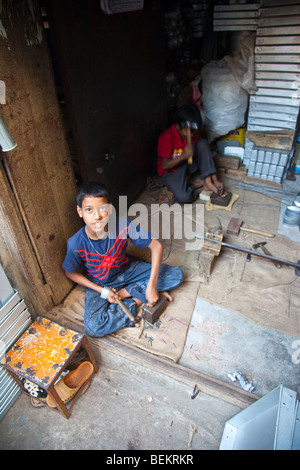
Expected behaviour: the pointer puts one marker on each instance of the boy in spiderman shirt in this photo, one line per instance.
(173, 154)
(100, 246)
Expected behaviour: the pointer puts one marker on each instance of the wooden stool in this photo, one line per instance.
(41, 354)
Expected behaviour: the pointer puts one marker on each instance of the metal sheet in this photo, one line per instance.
(272, 3)
(247, 27)
(252, 127)
(269, 115)
(269, 40)
(290, 30)
(9, 319)
(279, 21)
(6, 290)
(279, 124)
(237, 7)
(296, 436)
(5, 386)
(9, 400)
(285, 419)
(280, 11)
(289, 49)
(235, 14)
(281, 67)
(277, 76)
(254, 426)
(281, 84)
(278, 92)
(294, 59)
(264, 425)
(275, 100)
(244, 21)
(16, 329)
(10, 304)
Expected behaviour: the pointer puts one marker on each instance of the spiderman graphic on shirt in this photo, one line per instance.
(106, 258)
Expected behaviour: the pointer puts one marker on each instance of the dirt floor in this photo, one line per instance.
(125, 408)
(245, 317)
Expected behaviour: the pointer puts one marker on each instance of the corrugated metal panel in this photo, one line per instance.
(277, 40)
(14, 319)
(275, 104)
(277, 68)
(237, 17)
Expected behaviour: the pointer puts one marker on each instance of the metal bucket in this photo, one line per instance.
(292, 216)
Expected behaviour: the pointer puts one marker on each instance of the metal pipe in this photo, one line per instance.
(251, 252)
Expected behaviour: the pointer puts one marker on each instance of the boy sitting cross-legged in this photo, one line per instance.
(111, 274)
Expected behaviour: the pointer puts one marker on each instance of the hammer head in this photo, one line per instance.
(234, 226)
(189, 125)
(257, 245)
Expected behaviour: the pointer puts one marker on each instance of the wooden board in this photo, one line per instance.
(227, 161)
(277, 139)
(39, 168)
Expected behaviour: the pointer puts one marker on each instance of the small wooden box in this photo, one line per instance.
(151, 314)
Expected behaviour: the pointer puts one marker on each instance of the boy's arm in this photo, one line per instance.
(79, 278)
(170, 163)
(152, 295)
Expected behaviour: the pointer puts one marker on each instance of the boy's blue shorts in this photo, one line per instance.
(101, 317)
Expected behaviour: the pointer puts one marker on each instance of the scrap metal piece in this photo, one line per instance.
(196, 390)
(243, 381)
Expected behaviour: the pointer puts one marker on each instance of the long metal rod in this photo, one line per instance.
(251, 252)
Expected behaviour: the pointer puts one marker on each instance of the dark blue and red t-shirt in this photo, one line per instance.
(104, 259)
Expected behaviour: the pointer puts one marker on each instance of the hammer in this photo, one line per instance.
(188, 126)
(133, 319)
(264, 249)
(234, 227)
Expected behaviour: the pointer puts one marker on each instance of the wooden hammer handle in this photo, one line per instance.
(266, 251)
(126, 310)
(264, 234)
(189, 142)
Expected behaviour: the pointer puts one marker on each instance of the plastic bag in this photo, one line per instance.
(225, 87)
(241, 63)
(225, 102)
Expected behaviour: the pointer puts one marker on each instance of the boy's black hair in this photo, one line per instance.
(189, 113)
(91, 189)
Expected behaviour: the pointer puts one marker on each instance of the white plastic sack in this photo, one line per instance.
(241, 62)
(225, 102)
(225, 87)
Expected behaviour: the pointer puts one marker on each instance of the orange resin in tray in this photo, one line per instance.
(42, 351)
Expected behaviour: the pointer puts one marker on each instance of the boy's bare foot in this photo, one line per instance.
(215, 180)
(209, 185)
(218, 184)
(166, 294)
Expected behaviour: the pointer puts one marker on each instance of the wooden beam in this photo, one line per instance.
(16, 254)
(39, 169)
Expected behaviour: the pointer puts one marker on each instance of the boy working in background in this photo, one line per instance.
(173, 154)
(111, 274)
